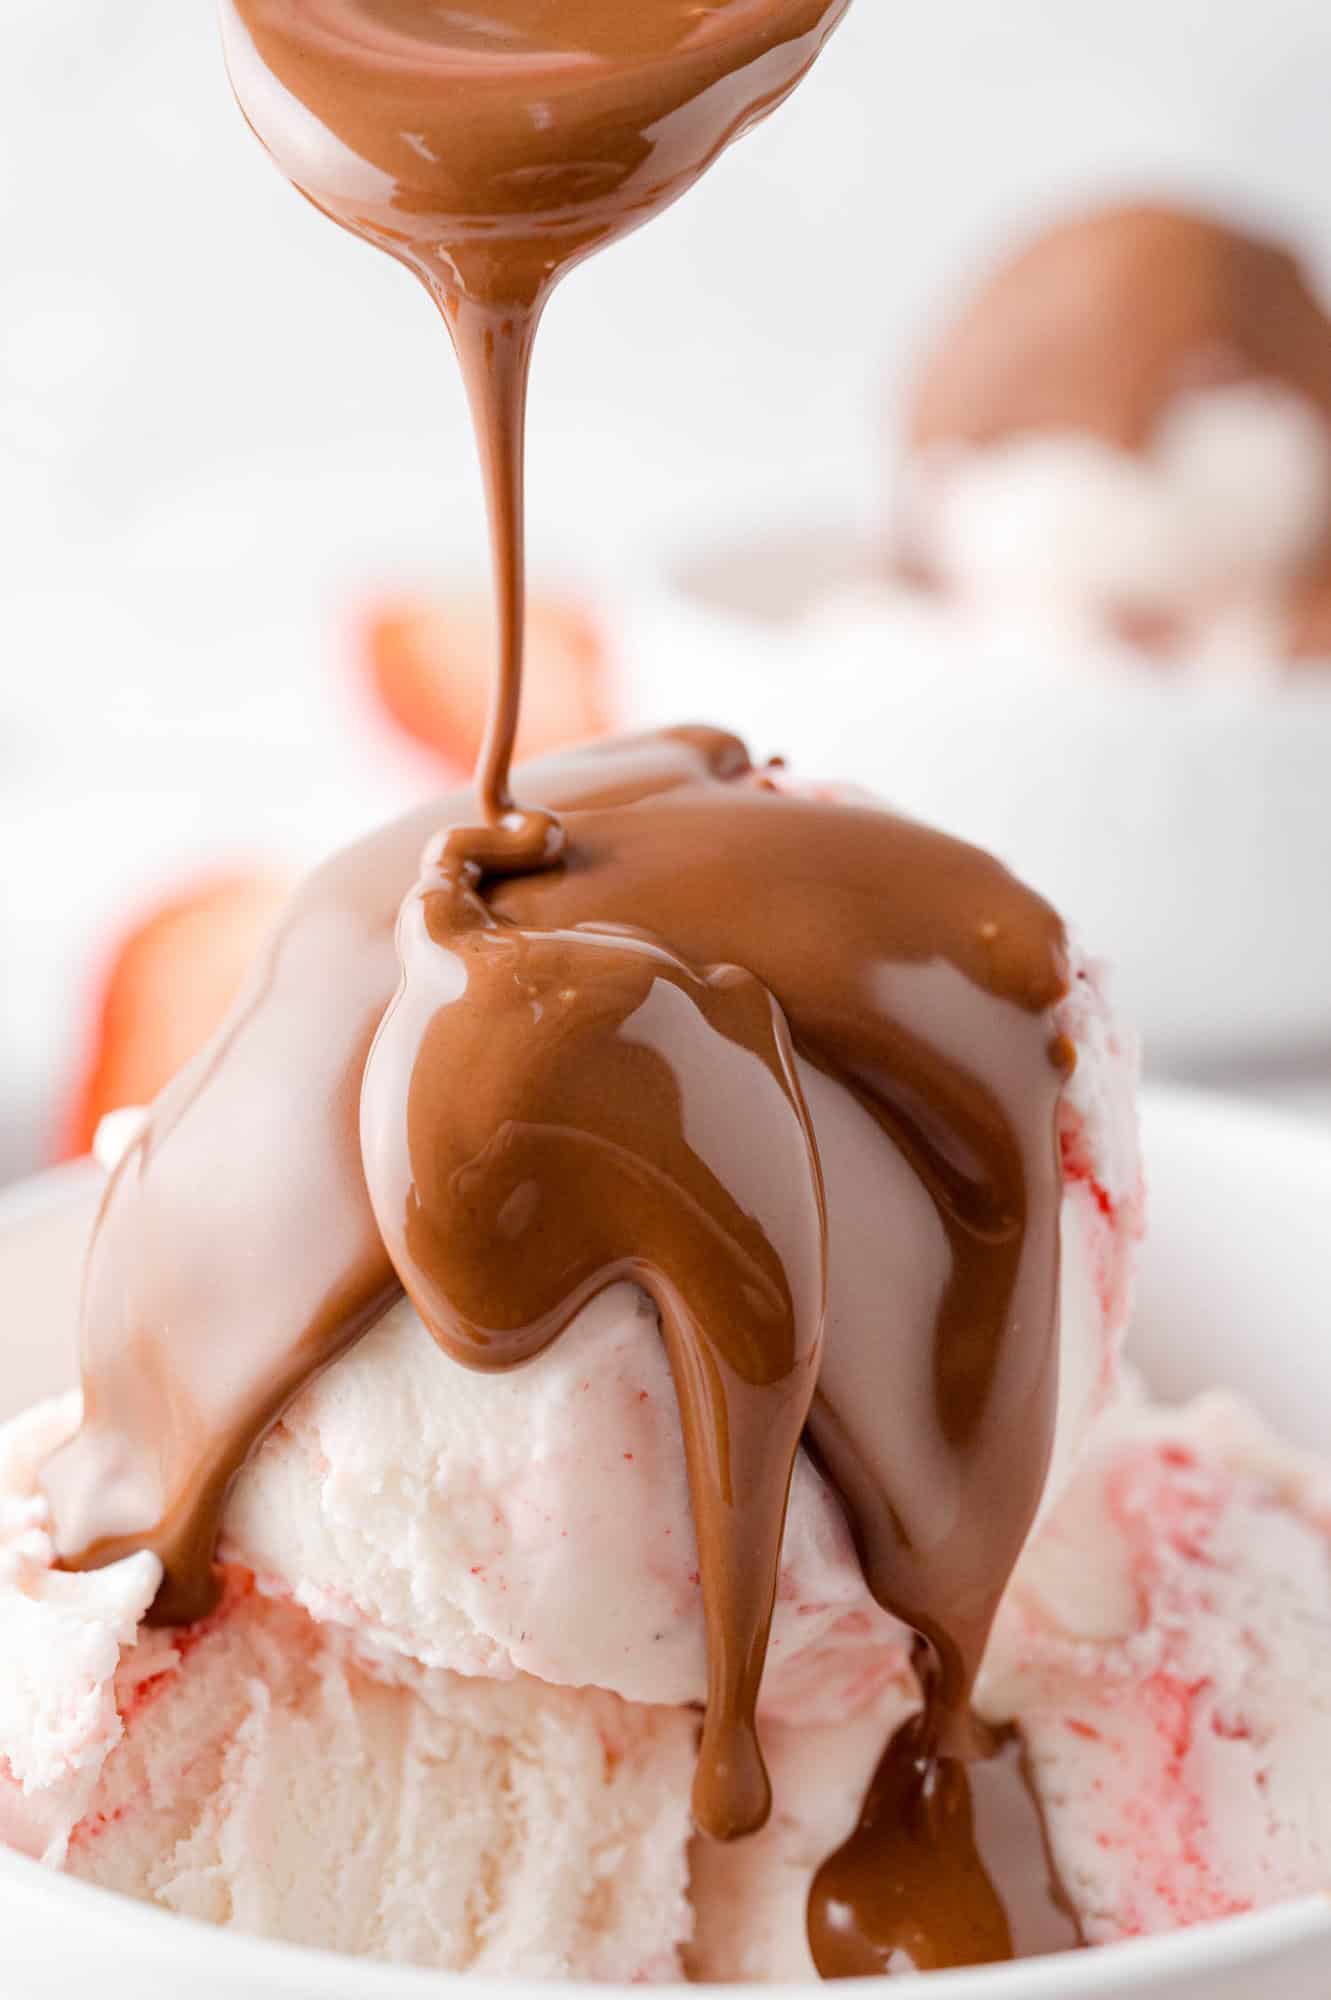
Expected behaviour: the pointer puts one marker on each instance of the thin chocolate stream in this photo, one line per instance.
(490, 149)
(619, 1038)
(494, 352)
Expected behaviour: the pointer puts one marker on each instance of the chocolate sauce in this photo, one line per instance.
(949, 1865)
(614, 1109)
(597, 1040)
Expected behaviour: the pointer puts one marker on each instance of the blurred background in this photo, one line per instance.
(243, 549)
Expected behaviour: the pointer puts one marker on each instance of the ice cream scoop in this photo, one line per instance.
(566, 1093)
(1131, 418)
(439, 1579)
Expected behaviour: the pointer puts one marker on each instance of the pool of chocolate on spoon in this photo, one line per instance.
(585, 1045)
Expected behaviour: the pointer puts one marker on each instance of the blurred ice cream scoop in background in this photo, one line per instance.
(1130, 422)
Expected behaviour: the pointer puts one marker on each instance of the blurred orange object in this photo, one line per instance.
(431, 663)
(167, 987)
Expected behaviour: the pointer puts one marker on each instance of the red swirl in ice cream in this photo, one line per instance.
(590, 1070)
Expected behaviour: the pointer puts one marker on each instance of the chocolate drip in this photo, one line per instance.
(617, 1033)
(494, 352)
(583, 1107)
(949, 1865)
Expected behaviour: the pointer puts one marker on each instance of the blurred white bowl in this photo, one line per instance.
(1183, 824)
(1234, 1290)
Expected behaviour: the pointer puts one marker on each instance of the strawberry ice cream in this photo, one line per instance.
(463, 1606)
(1165, 1645)
(252, 1771)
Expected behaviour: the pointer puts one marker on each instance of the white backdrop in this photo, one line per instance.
(219, 418)
(192, 365)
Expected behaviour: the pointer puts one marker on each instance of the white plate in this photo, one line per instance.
(1234, 1290)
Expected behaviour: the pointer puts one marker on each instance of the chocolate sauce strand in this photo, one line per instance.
(494, 350)
(582, 1107)
(950, 1865)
